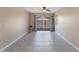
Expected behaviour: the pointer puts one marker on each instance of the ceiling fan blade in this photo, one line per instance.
(48, 10)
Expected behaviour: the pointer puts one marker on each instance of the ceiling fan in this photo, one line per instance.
(46, 9)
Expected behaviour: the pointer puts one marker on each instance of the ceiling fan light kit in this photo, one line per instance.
(45, 9)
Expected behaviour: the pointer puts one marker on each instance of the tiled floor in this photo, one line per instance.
(41, 41)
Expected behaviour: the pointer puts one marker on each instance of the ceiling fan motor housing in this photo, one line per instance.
(44, 8)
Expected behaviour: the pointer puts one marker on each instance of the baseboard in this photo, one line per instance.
(74, 46)
(11, 43)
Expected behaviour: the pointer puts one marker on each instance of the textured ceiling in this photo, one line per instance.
(39, 9)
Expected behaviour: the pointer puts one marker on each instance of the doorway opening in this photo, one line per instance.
(44, 24)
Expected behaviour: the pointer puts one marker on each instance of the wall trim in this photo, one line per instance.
(11, 43)
(74, 46)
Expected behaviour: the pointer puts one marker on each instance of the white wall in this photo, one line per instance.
(67, 24)
(31, 22)
(13, 24)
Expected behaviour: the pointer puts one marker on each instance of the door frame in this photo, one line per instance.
(53, 25)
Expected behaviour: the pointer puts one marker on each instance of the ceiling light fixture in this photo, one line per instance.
(44, 9)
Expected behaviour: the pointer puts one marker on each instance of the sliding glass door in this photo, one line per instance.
(44, 24)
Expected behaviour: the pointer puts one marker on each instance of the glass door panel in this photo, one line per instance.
(44, 24)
